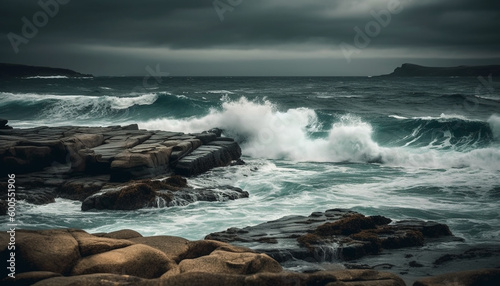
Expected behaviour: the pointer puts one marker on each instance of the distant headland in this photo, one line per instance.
(15, 70)
(411, 70)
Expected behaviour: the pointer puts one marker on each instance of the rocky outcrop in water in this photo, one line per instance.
(124, 153)
(334, 235)
(91, 164)
(412, 70)
(15, 70)
(156, 194)
(3, 124)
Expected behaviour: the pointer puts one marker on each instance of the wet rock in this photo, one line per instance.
(472, 253)
(330, 236)
(124, 153)
(186, 196)
(154, 193)
(206, 157)
(132, 197)
(146, 161)
(36, 196)
(79, 189)
(483, 277)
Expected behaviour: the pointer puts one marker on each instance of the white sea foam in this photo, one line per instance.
(45, 77)
(265, 132)
(444, 117)
(494, 122)
(79, 102)
(398, 117)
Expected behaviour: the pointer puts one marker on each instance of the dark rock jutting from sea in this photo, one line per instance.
(23, 71)
(113, 167)
(412, 70)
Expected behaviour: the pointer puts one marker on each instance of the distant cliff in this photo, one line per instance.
(14, 70)
(409, 70)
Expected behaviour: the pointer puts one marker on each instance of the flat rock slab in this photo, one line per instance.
(124, 152)
(334, 235)
(76, 162)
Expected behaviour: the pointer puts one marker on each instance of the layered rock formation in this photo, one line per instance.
(100, 166)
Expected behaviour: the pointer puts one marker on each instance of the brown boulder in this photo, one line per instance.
(92, 280)
(90, 244)
(231, 263)
(137, 260)
(46, 250)
(205, 247)
(173, 247)
(120, 234)
(481, 277)
(29, 278)
(199, 278)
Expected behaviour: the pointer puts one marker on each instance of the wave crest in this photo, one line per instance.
(263, 131)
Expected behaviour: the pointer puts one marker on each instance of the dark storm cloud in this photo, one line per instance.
(86, 29)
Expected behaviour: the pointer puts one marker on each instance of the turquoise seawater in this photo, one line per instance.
(426, 148)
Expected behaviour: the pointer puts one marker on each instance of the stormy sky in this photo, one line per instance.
(249, 37)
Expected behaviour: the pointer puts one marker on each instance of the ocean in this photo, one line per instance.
(425, 148)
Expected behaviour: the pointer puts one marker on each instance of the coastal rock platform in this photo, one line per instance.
(108, 167)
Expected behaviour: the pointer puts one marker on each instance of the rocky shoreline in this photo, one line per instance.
(124, 168)
(101, 166)
(75, 257)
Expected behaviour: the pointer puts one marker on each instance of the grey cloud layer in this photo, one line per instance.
(458, 25)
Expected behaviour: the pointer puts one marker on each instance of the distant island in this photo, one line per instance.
(15, 70)
(410, 70)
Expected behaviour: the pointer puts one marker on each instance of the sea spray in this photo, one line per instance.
(494, 122)
(265, 132)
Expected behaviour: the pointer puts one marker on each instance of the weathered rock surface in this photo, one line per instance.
(136, 260)
(148, 193)
(74, 257)
(482, 277)
(86, 163)
(335, 235)
(124, 153)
